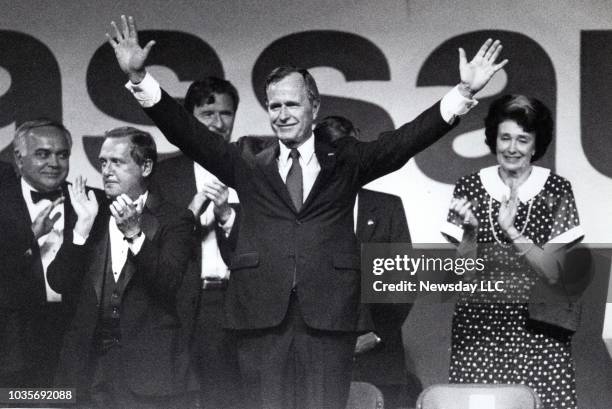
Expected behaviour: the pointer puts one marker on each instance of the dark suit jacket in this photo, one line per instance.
(7, 173)
(317, 244)
(22, 282)
(155, 361)
(381, 219)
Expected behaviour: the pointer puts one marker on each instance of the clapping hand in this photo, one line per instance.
(127, 215)
(130, 56)
(478, 72)
(85, 206)
(198, 204)
(463, 208)
(43, 224)
(219, 194)
(507, 210)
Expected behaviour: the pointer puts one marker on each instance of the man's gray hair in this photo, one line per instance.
(23, 130)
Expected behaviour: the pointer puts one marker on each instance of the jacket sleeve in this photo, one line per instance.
(393, 149)
(163, 259)
(194, 139)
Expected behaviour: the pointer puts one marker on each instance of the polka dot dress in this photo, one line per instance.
(490, 341)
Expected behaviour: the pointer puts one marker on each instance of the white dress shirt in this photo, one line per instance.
(607, 327)
(51, 242)
(308, 162)
(213, 266)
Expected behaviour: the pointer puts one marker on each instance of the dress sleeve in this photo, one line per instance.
(566, 227)
(452, 228)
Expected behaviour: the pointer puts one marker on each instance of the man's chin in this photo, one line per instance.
(111, 193)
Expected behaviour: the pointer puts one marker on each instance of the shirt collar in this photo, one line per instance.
(306, 151)
(26, 188)
(495, 186)
(143, 198)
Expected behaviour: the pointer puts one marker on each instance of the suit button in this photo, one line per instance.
(115, 310)
(115, 294)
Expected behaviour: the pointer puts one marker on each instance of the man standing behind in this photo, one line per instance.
(294, 288)
(184, 183)
(126, 262)
(35, 218)
(379, 355)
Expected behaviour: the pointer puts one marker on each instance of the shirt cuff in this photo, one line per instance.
(77, 239)
(136, 244)
(453, 104)
(229, 223)
(607, 328)
(147, 92)
(452, 232)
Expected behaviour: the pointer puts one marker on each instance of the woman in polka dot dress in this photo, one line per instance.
(521, 211)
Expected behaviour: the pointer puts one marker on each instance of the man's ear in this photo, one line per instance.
(18, 159)
(315, 109)
(147, 168)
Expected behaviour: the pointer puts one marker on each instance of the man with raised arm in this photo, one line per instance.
(293, 293)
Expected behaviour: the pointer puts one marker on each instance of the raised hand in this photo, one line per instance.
(507, 212)
(85, 206)
(477, 73)
(463, 208)
(130, 56)
(128, 215)
(43, 224)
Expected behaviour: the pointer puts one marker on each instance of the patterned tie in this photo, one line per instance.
(294, 180)
(38, 196)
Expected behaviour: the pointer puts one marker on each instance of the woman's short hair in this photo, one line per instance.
(530, 113)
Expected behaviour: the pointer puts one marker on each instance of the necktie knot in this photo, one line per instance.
(294, 154)
(38, 196)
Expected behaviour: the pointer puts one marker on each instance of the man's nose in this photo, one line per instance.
(283, 115)
(216, 121)
(106, 169)
(53, 161)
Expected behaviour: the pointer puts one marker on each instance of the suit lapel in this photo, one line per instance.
(150, 226)
(102, 259)
(18, 212)
(366, 218)
(326, 156)
(70, 216)
(266, 161)
(186, 179)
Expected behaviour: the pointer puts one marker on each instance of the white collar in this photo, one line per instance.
(306, 150)
(26, 190)
(495, 186)
(25, 186)
(143, 198)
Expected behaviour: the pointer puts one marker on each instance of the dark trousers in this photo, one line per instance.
(31, 343)
(293, 366)
(215, 356)
(110, 388)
